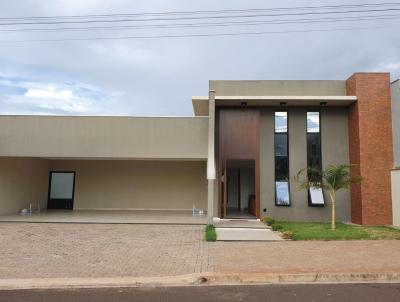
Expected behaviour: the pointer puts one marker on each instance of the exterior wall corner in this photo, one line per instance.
(371, 147)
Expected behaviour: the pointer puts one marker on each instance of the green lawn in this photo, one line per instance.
(322, 231)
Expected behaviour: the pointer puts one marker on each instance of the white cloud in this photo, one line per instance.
(49, 93)
(36, 97)
(50, 105)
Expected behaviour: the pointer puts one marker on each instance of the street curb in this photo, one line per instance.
(288, 278)
(200, 279)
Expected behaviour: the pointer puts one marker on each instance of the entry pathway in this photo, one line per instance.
(47, 250)
(246, 234)
(239, 223)
(244, 230)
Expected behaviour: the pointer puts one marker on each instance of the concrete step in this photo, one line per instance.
(246, 234)
(240, 223)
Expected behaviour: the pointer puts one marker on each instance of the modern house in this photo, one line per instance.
(236, 158)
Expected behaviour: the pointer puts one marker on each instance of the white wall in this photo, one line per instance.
(396, 196)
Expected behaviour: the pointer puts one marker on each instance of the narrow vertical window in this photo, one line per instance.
(314, 161)
(282, 197)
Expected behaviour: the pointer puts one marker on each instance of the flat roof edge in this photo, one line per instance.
(281, 80)
(199, 98)
(96, 116)
(285, 97)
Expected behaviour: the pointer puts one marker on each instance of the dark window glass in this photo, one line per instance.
(315, 196)
(281, 144)
(314, 150)
(282, 197)
(281, 168)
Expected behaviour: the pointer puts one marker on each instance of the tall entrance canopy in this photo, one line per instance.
(238, 163)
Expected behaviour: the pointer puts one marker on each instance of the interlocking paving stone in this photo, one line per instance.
(89, 250)
(50, 250)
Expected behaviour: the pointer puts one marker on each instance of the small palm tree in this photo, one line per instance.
(332, 179)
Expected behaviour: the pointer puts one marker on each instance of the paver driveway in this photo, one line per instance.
(40, 250)
(32, 250)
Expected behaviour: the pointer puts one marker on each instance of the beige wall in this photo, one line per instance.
(396, 196)
(104, 137)
(395, 174)
(22, 181)
(334, 135)
(395, 92)
(121, 184)
(273, 88)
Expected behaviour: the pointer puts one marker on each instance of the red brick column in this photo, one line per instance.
(371, 147)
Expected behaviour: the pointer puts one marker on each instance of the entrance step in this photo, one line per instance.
(246, 234)
(240, 223)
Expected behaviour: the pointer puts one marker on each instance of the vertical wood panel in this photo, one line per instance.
(238, 131)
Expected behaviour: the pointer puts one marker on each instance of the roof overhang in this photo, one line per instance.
(289, 100)
(200, 104)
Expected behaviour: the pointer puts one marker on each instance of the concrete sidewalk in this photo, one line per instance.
(244, 230)
(90, 251)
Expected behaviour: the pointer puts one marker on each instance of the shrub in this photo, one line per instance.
(287, 235)
(211, 235)
(268, 220)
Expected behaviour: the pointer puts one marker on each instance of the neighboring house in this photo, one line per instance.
(236, 158)
(395, 90)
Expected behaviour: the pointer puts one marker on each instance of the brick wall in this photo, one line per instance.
(371, 147)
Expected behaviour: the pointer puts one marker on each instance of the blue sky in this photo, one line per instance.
(159, 76)
(26, 95)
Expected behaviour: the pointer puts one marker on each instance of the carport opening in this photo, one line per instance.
(240, 187)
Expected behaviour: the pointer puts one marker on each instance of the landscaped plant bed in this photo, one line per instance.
(322, 231)
(211, 234)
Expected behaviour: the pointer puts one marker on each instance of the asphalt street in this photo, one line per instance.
(248, 293)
